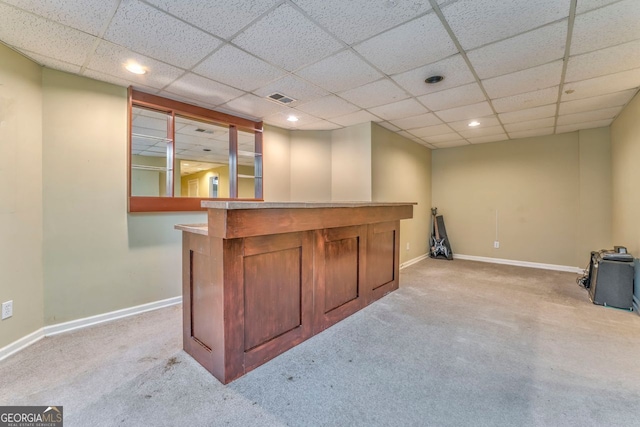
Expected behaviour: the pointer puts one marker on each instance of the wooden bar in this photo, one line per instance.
(260, 278)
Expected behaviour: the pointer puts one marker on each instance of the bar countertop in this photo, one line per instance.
(211, 204)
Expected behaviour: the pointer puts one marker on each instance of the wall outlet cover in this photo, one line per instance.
(7, 309)
(496, 244)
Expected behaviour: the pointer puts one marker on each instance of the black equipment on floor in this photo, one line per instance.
(610, 279)
(439, 243)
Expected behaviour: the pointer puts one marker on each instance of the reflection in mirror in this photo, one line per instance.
(246, 165)
(202, 159)
(150, 149)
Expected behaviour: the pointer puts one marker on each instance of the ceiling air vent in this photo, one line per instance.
(204, 130)
(280, 98)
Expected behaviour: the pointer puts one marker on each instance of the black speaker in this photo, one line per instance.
(611, 282)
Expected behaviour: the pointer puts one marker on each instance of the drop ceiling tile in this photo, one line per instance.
(597, 102)
(238, 69)
(224, 18)
(608, 26)
(24, 31)
(580, 126)
(467, 112)
(353, 21)
(531, 132)
(294, 87)
(88, 16)
(528, 80)
(455, 97)
(286, 38)
(604, 61)
(526, 100)
(187, 100)
(587, 116)
(400, 109)
(530, 124)
(482, 131)
(356, 118)
(145, 29)
(321, 125)
(479, 22)
(602, 85)
(419, 121)
(376, 93)
(110, 59)
(454, 70)
(490, 138)
(487, 121)
(254, 106)
(209, 91)
(406, 134)
(421, 41)
(391, 127)
(587, 5)
(442, 138)
(280, 119)
(428, 131)
(528, 114)
(342, 71)
(450, 144)
(328, 107)
(526, 50)
(53, 63)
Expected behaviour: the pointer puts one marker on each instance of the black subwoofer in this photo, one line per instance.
(611, 282)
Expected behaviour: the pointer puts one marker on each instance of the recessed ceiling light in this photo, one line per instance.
(433, 79)
(186, 164)
(474, 123)
(135, 68)
(292, 118)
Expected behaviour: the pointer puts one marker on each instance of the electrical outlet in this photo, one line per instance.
(496, 245)
(407, 246)
(7, 309)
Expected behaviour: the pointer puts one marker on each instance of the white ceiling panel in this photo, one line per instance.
(186, 100)
(530, 125)
(280, 119)
(145, 29)
(328, 107)
(110, 59)
(53, 63)
(419, 121)
(389, 126)
(209, 91)
(320, 125)
(587, 5)
(454, 70)
(608, 26)
(238, 69)
(462, 125)
(408, 107)
(254, 106)
(532, 132)
(450, 144)
(344, 70)
(293, 87)
(421, 41)
(581, 126)
(479, 22)
(356, 20)
(442, 138)
(286, 38)
(376, 93)
(428, 131)
(602, 85)
(84, 15)
(489, 138)
(455, 97)
(528, 114)
(597, 102)
(520, 52)
(467, 112)
(535, 78)
(481, 131)
(587, 116)
(604, 61)
(358, 117)
(223, 18)
(406, 134)
(22, 30)
(526, 100)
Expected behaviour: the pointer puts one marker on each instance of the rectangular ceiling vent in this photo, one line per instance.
(204, 130)
(281, 99)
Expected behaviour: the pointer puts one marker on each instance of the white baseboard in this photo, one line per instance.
(542, 266)
(413, 261)
(72, 325)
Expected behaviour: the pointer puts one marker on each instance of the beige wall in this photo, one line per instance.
(21, 277)
(401, 172)
(625, 157)
(310, 162)
(246, 186)
(98, 258)
(276, 164)
(538, 186)
(351, 163)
